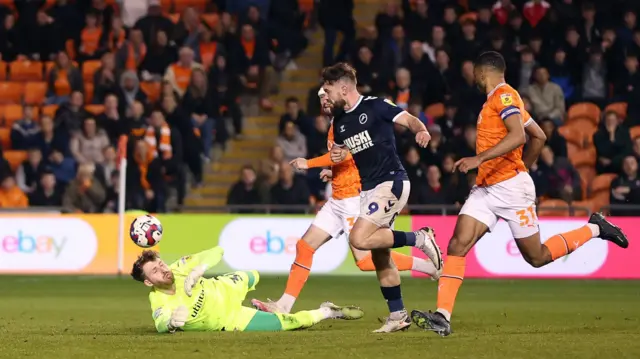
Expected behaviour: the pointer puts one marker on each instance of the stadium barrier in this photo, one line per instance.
(89, 244)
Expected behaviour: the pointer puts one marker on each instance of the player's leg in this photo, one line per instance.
(403, 262)
(249, 319)
(378, 210)
(474, 221)
(325, 225)
(239, 283)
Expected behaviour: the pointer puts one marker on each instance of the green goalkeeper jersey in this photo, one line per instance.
(209, 305)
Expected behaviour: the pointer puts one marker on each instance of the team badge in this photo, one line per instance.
(506, 99)
(362, 118)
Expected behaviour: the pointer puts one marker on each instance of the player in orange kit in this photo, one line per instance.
(504, 190)
(337, 216)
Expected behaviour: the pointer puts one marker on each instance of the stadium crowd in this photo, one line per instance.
(575, 64)
(77, 76)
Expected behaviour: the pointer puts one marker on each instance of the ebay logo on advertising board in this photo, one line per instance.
(496, 254)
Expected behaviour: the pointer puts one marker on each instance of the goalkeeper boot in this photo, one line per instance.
(269, 306)
(609, 231)
(435, 322)
(395, 324)
(426, 242)
(345, 312)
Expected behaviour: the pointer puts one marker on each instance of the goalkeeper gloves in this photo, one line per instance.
(193, 277)
(178, 318)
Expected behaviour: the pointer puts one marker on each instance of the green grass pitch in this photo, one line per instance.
(63, 317)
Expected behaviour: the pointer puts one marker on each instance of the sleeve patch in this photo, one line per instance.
(184, 260)
(506, 99)
(508, 111)
(390, 102)
(157, 313)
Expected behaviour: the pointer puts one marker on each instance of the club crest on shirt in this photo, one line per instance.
(506, 99)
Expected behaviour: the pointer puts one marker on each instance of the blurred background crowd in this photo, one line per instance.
(205, 89)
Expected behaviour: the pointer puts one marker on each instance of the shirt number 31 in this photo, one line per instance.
(527, 216)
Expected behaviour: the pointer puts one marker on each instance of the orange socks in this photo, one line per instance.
(299, 269)
(562, 244)
(449, 283)
(402, 261)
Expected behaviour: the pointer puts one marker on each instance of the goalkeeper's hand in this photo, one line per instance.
(193, 277)
(178, 318)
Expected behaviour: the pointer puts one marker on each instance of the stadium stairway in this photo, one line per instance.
(260, 127)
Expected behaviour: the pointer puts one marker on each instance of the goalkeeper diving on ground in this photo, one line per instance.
(183, 299)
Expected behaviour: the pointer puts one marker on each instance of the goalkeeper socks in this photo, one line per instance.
(449, 284)
(298, 275)
(403, 239)
(562, 244)
(393, 296)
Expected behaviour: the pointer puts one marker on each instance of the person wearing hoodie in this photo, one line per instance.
(129, 91)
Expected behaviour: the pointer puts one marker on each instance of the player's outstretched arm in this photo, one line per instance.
(324, 160)
(416, 126)
(206, 259)
(515, 138)
(537, 139)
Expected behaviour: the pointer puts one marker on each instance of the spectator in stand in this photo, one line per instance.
(317, 140)
(291, 190)
(160, 56)
(153, 21)
(179, 74)
(135, 125)
(486, 23)
(48, 140)
(105, 79)
(625, 189)
(555, 141)
(540, 179)
(465, 145)
(590, 30)
(287, 27)
(47, 194)
(625, 32)
(420, 67)
(546, 97)
(226, 88)
(111, 120)
(252, 64)
(367, 71)
(105, 169)
(129, 91)
(560, 73)
(207, 48)
(433, 154)
(10, 194)
(63, 79)
(117, 35)
(442, 80)
(452, 123)
(468, 94)
(404, 92)
(158, 136)
(562, 178)
(88, 145)
(594, 78)
(469, 45)
(70, 116)
(197, 103)
(418, 23)
(111, 203)
(92, 45)
(25, 132)
(46, 38)
(612, 142)
(393, 52)
(336, 16)
(387, 19)
(84, 194)
(268, 173)
(450, 24)
(132, 53)
(145, 182)
(64, 168)
(454, 180)
(29, 172)
(292, 142)
(296, 116)
(431, 191)
(245, 192)
(526, 68)
(415, 169)
(627, 89)
(10, 44)
(188, 27)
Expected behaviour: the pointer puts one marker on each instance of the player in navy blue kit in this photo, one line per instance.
(363, 126)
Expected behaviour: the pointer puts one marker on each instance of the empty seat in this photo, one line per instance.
(35, 93)
(25, 71)
(584, 110)
(618, 107)
(94, 109)
(152, 90)
(89, 68)
(15, 158)
(601, 183)
(11, 92)
(5, 138)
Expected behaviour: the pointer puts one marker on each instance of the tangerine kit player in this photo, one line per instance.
(504, 190)
(363, 127)
(182, 299)
(337, 216)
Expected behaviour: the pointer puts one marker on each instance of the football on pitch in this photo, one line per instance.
(146, 231)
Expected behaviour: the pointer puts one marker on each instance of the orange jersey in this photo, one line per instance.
(501, 103)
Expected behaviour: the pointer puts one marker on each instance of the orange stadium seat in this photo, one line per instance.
(211, 19)
(11, 92)
(618, 107)
(12, 113)
(35, 93)
(573, 135)
(584, 110)
(585, 157)
(25, 71)
(572, 149)
(553, 208)
(634, 131)
(49, 110)
(89, 68)
(5, 137)
(88, 92)
(306, 6)
(166, 5)
(601, 183)
(472, 16)
(582, 208)
(180, 5)
(8, 3)
(94, 109)
(582, 124)
(151, 89)
(15, 158)
(434, 111)
(3, 71)
(587, 174)
(175, 18)
(70, 47)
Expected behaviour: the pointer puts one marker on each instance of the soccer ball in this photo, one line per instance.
(146, 231)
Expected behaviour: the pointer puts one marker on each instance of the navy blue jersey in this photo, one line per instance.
(367, 131)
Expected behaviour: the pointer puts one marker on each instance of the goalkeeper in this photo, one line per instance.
(182, 299)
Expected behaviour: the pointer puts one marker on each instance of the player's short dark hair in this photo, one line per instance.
(144, 258)
(492, 60)
(337, 72)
